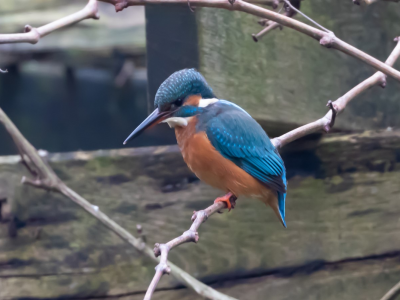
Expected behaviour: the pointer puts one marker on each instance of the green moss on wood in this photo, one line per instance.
(287, 77)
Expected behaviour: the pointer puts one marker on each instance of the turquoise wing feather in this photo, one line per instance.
(239, 138)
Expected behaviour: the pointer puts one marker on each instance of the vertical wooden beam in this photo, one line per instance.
(172, 44)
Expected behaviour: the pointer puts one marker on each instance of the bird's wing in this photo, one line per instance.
(239, 138)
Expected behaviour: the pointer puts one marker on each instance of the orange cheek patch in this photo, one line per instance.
(193, 100)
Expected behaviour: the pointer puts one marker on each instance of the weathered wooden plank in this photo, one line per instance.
(287, 77)
(350, 214)
(373, 151)
(362, 280)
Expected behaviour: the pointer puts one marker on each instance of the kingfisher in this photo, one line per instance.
(219, 141)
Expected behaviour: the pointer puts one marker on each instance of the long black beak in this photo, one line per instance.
(154, 118)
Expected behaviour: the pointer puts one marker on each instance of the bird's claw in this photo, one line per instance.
(231, 1)
(229, 199)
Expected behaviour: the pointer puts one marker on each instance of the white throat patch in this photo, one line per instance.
(177, 121)
(207, 102)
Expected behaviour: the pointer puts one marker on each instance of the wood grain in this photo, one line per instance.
(59, 250)
(286, 77)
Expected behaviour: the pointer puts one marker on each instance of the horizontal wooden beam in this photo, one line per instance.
(339, 216)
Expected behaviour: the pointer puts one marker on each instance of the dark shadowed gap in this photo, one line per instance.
(172, 44)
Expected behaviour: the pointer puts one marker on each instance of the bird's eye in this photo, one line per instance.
(177, 103)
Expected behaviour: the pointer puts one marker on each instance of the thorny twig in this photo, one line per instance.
(190, 235)
(336, 107)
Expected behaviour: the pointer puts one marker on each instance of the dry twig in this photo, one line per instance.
(368, 2)
(45, 178)
(270, 25)
(392, 293)
(336, 107)
(326, 123)
(295, 9)
(326, 39)
(273, 3)
(32, 35)
(190, 235)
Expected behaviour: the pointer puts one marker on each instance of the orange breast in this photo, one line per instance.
(214, 169)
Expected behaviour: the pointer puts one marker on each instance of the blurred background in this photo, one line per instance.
(86, 87)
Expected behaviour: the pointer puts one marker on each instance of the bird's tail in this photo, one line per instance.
(277, 202)
(281, 207)
(278, 206)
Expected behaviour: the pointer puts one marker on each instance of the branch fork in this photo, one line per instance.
(327, 40)
(271, 25)
(328, 121)
(162, 250)
(45, 183)
(334, 110)
(47, 179)
(190, 235)
(330, 41)
(32, 35)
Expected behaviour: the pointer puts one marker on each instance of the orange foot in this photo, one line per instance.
(229, 199)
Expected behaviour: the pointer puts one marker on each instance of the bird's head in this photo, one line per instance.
(180, 96)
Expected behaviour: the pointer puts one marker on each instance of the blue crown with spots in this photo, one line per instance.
(180, 85)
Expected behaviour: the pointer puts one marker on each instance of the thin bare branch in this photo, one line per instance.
(270, 27)
(273, 3)
(327, 121)
(45, 178)
(392, 293)
(190, 235)
(328, 40)
(368, 2)
(32, 35)
(287, 2)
